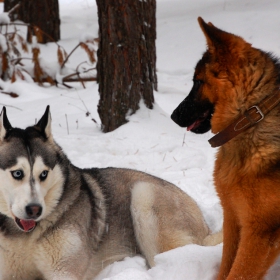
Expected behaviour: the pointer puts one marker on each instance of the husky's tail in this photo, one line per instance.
(213, 239)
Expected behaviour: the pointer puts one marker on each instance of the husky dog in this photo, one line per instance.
(58, 221)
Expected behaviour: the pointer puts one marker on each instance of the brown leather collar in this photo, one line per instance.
(252, 116)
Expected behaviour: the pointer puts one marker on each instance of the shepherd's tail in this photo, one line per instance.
(213, 239)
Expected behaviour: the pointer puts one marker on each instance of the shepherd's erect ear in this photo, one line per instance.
(44, 124)
(219, 39)
(214, 36)
(4, 124)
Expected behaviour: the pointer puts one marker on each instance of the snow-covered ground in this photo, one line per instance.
(150, 142)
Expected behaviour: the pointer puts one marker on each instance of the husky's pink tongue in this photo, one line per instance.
(27, 224)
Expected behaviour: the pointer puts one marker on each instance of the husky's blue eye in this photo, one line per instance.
(44, 175)
(17, 174)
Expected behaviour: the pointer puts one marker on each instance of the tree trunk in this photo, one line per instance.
(38, 13)
(126, 68)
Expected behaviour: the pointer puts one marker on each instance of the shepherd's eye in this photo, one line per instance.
(198, 82)
(44, 175)
(17, 174)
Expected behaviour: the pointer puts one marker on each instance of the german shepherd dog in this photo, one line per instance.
(236, 94)
(58, 221)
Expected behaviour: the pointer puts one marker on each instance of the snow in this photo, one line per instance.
(150, 141)
(4, 18)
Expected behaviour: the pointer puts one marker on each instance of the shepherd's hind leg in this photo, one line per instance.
(145, 220)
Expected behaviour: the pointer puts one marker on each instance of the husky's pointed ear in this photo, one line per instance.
(219, 39)
(5, 125)
(44, 124)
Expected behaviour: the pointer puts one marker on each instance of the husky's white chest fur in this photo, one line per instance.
(33, 258)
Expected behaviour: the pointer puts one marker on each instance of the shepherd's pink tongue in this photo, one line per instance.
(27, 224)
(192, 125)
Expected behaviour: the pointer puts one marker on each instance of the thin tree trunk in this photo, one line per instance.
(126, 68)
(39, 13)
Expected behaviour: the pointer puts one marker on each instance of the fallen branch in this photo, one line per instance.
(10, 106)
(12, 94)
(71, 80)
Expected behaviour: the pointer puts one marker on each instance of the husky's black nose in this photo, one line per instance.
(33, 211)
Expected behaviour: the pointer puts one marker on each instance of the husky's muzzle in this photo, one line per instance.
(33, 212)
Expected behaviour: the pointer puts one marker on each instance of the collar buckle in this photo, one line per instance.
(258, 111)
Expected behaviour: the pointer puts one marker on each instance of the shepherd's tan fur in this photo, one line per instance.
(231, 77)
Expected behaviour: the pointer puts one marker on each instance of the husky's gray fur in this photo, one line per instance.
(58, 221)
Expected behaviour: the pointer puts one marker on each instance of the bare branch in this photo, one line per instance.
(66, 59)
(14, 8)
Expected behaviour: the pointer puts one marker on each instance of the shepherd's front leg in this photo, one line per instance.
(231, 238)
(257, 251)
